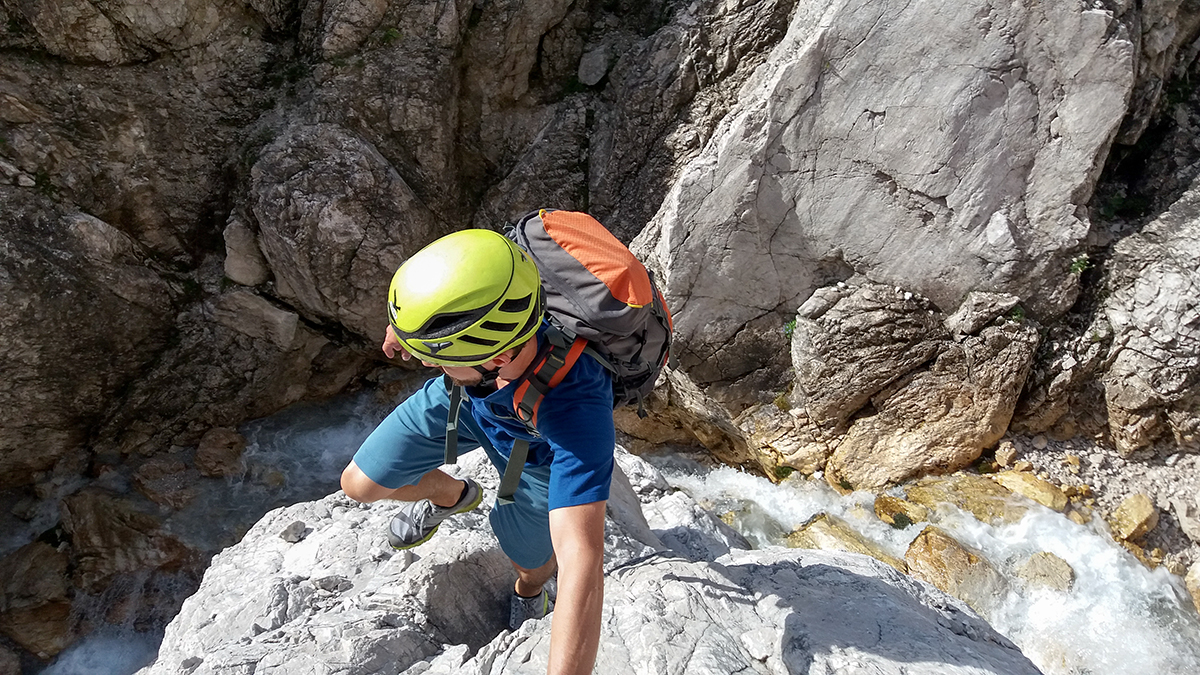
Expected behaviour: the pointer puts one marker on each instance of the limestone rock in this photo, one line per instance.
(10, 663)
(244, 261)
(850, 343)
(1134, 518)
(220, 452)
(935, 418)
(1006, 453)
(1192, 581)
(979, 309)
(1047, 570)
(680, 412)
(35, 611)
(899, 512)
(977, 196)
(783, 439)
(342, 600)
(979, 496)
(1153, 384)
(935, 557)
(293, 533)
(1029, 485)
(60, 267)
(325, 203)
(1187, 513)
(681, 524)
(830, 533)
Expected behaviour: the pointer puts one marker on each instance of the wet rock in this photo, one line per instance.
(166, 480)
(899, 512)
(1134, 518)
(988, 501)
(35, 611)
(1043, 492)
(110, 536)
(220, 452)
(935, 557)
(1047, 570)
(830, 533)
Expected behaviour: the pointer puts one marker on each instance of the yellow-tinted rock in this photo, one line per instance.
(1048, 571)
(1135, 517)
(899, 512)
(830, 533)
(1023, 465)
(1006, 453)
(1192, 581)
(935, 557)
(1040, 491)
(984, 498)
(1080, 516)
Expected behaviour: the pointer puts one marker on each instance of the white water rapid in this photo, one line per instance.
(1119, 618)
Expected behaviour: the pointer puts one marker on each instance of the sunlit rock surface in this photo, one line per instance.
(340, 600)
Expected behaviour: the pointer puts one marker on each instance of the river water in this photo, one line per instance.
(1119, 618)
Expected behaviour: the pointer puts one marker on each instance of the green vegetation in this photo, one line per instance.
(901, 521)
(43, 184)
(845, 484)
(1080, 264)
(789, 329)
(782, 472)
(389, 36)
(1016, 314)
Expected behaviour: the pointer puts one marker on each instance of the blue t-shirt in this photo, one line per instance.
(575, 431)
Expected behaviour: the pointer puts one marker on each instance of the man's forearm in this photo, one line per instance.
(578, 534)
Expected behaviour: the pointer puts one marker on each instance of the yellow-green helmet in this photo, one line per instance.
(466, 298)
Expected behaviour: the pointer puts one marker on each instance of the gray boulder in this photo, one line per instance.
(961, 166)
(340, 601)
(1152, 386)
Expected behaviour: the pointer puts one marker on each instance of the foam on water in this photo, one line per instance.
(1118, 618)
(108, 651)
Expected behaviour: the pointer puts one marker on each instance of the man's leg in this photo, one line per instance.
(530, 581)
(437, 486)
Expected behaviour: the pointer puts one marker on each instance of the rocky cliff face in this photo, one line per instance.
(682, 595)
(867, 216)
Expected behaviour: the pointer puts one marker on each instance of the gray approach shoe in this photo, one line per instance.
(522, 609)
(417, 521)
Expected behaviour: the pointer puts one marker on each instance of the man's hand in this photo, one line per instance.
(578, 536)
(391, 345)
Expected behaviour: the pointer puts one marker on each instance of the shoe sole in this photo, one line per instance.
(470, 507)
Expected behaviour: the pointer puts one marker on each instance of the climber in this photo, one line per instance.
(471, 304)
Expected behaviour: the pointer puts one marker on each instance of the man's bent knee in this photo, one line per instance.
(358, 487)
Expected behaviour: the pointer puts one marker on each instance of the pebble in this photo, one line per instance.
(1040, 442)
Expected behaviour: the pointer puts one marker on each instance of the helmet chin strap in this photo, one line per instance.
(489, 376)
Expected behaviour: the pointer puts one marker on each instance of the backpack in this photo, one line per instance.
(600, 300)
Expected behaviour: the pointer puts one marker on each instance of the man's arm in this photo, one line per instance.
(578, 536)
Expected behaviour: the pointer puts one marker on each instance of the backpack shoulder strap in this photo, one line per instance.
(549, 369)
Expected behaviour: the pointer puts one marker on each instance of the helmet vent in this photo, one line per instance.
(498, 327)
(514, 305)
(482, 342)
(446, 324)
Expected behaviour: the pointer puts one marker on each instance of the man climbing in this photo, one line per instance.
(472, 305)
